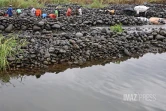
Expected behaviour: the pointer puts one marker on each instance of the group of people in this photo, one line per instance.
(140, 12)
(152, 20)
(38, 12)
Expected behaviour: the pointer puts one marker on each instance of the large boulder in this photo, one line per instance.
(9, 28)
(160, 37)
(78, 34)
(56, 26)
(36, 28)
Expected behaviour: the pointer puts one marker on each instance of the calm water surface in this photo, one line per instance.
(96, 88)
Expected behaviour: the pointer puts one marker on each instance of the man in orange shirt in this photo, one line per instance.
(69, 11)
(38, 12)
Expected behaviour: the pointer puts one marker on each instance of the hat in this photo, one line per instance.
(10, 5)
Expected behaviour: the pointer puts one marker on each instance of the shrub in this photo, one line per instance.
(117, 28)
(9, 47)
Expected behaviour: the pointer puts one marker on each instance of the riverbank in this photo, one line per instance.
(72, 40)
(80, 47)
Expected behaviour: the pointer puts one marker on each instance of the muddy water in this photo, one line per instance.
(95, 88)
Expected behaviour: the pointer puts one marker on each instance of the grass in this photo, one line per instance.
(59, 1)
(92, 3)
(117, 28)
(96, 4)
(9, 47)
(21, 3)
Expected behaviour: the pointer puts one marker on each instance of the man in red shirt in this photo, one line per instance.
(69, 11)
(53, 16)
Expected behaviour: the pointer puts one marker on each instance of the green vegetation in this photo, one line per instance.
(117, 28)
(9, 47)
(97, 4)
(60, 1)
(21, 3)
(91, 3)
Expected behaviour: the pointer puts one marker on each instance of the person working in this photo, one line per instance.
(38, 12)
(44, 15)
(80, 11)
(110, 12)
(156, 20)
(69, 11)
(52, 16)
(153, 20)
(76, 11)
(142, 9)
(18, 12)
(10, 11)
(57, 12)
(33, 10)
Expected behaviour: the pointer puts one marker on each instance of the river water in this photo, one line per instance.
(95, 88)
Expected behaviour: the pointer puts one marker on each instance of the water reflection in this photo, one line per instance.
(95, 88)
(5, 76)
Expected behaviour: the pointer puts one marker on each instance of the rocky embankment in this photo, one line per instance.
(72, 39)
(77, 48)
